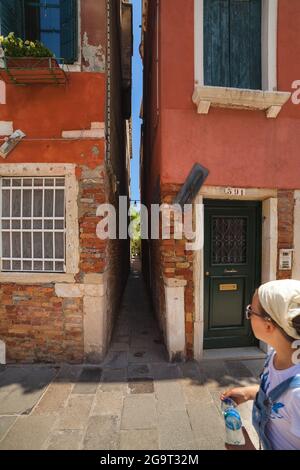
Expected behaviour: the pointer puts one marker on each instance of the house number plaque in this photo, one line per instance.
(235, 191)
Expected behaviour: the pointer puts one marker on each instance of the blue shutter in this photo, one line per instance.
(232, 43)
(68, 26)
(11, 18)
(216, 43)
(245, 44)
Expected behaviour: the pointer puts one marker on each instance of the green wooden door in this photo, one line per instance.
(232, 266)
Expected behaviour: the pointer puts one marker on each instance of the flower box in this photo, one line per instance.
(32, 71)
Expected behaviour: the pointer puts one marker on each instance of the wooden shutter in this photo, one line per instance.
(216, 43)
(11, 19)
(245, 44)
(232, 43)
(69, 36)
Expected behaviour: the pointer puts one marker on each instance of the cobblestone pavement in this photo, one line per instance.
(134, 400)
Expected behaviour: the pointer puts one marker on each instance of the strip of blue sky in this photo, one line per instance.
(137, 90)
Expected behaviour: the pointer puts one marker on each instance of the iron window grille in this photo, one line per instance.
(33, 224)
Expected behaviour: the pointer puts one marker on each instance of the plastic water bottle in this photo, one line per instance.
(233, 423)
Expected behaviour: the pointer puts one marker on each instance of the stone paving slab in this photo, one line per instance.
(28, 433)
(68, 373)
(116, 360)
(169, 396)
(175, 431)
(139, 440)
(5, 423)
(207, 424)
(108, 403)
(140, 386)
(195, 393)
(142, 355)
(165, 371)
(76, 413)
(139, 370)
(102, 433)
(53, 399)
(114, 380)
(119, 347)
(65, 440)
(139, 412)
(88, 381)
(21, 387)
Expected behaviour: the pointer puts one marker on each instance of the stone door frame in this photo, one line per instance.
(269, 198)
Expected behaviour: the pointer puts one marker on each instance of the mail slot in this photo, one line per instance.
(227, 287)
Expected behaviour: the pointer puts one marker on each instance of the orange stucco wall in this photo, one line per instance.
(240, 148)
(43, 112)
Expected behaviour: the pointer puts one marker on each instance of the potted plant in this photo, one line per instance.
(29, 62)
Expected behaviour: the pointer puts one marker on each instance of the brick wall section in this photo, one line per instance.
(38, 326)
(35, 324)
(93, 191)
(117, 265)
(286, 205)
(170, 259)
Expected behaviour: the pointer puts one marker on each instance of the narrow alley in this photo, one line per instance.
(134, 400)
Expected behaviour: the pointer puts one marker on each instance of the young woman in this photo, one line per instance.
(275, 319)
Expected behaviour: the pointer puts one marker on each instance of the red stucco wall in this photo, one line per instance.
(241, 148)
(43, 112)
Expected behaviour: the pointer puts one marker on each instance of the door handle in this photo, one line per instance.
(230, 271)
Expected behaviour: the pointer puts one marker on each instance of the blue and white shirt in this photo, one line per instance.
(283, 429)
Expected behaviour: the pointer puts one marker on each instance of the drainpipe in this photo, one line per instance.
(157, 59)
(108, 85)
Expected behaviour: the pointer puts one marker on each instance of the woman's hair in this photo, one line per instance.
(296, 324)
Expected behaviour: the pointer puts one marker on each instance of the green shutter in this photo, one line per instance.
(245, 44)
(232, 43)
(216, 43)
(11, 18)
(68, 20)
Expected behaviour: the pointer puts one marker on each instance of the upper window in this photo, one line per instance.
(232, 43)
(53, 22)
(33, 224)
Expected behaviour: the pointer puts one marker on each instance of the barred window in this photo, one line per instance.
(32, 224)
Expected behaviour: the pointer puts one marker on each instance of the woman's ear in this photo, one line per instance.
(270, 327)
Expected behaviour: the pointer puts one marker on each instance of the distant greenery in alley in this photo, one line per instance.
(135, 222)
(17, 47)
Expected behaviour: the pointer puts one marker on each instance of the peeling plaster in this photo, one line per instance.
(2, 91)
(94, 56)
(96, 151)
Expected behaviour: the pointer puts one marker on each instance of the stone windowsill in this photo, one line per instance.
(36, 278)
(254, 100)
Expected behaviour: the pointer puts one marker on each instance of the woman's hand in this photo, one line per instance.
(241, 394)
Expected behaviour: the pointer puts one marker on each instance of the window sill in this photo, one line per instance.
(76, 67)
(235, 98)
(36, 278)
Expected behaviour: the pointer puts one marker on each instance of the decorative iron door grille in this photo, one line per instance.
(229, 240)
